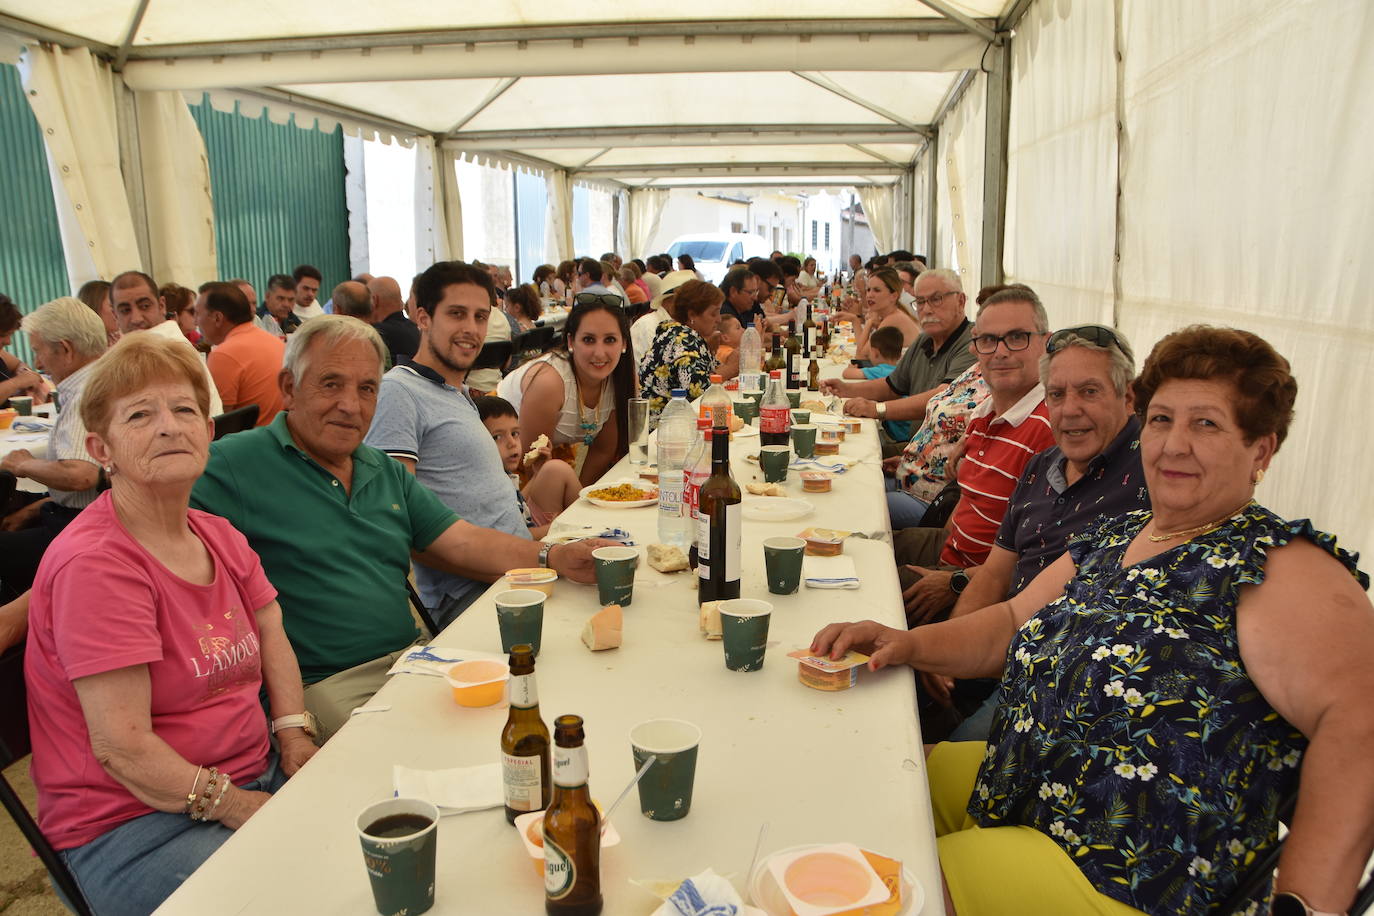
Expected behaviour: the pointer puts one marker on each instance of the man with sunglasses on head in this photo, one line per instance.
(1004, 432)
(938, 356)
(1093, 469)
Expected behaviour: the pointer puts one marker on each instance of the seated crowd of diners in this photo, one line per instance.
(1124, 663)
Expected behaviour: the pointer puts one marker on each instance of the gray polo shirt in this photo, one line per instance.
(922, 367)
(421, 417)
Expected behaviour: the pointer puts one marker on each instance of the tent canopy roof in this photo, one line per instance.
(761, 92)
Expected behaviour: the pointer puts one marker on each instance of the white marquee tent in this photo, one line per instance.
(1146, 163)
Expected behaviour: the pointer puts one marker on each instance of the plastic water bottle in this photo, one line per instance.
(676, 432)
(750, 360)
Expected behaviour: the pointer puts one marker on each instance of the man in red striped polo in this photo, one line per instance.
(1009, 427)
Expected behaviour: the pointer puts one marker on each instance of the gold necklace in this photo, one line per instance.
(1200, 529)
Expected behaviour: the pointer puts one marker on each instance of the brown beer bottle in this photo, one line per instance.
(572, 829)
(524, 741)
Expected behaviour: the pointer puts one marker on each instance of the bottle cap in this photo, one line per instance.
(716, 380)
(679, 392)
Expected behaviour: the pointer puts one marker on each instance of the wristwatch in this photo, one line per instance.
(305, 721)
(544, 556)
(1290, 904)
(881, 409)
(958, 581)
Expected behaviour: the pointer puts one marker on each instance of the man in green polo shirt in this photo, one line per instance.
(336, 522)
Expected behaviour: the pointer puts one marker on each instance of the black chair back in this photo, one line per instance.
(236, 420)
(941, 507)
(14, 745)
(421, 611)
(495, 354)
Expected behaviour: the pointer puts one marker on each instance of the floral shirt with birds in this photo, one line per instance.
(1128, 729)
(679, 358)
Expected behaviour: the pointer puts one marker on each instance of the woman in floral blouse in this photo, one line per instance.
(681, 354)
(1163, 681)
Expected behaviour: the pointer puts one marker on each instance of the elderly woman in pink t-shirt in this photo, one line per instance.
(152, 629)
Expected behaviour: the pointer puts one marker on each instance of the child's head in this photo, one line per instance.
(731, 331)
(501, 420)
(886, 342)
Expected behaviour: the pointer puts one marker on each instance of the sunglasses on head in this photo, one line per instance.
(593, 298)
(1093, 333)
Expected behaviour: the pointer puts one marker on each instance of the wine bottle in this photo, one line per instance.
(718, 526)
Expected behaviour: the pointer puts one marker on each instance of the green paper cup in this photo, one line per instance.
(774, 460)
(744, 626)
(615, 574)
(399, 837)
(23, 404)
(755, 395)
(794, 397)
(520, 615)
(782, 558)
(804, 440)
(800, 417)
(747, 409)
(665, 792)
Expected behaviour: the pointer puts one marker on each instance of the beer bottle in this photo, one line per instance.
(813, 376)
(572, 829)
(524, 741)
(718, 526)
(794, 356)
(809, 332)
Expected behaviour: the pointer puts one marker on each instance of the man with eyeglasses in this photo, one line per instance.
(1004, 432)
(938, 356)
(1092, 469)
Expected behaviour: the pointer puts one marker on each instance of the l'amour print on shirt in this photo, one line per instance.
(226, 660)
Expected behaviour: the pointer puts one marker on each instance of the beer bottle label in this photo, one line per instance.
(560, 872)
(569, 766)
(523, 692)
(522, 780)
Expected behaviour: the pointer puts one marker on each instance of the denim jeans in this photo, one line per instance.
(903, 509)
(131, 869)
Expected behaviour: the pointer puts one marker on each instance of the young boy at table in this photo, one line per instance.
(886, 346)
(549, 486)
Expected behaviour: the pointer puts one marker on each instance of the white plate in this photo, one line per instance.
(618, 504)
(765, 893)
(745, 432)
(776, 509)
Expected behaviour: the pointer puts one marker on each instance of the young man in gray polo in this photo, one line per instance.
(426, 419)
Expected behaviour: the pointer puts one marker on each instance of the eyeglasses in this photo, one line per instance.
(933, 299)
(1015, 340)
(594, 298)
(1094, 334)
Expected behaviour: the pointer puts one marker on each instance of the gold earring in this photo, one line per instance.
(1259, 475)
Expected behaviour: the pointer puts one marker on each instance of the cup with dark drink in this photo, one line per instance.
(399, 838)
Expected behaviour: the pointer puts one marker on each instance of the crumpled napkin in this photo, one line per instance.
(31, 425)
(435, 660)
(829, 572)
(707, 894)
(455, 791)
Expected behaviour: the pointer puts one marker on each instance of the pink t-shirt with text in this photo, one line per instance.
(102, 602)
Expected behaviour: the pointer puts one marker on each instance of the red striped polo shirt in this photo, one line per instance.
(996, 452)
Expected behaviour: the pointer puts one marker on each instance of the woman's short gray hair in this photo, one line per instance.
(70, 320)
(332, 330)
(1120, 361)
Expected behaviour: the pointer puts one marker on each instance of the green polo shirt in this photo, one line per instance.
(338, 560)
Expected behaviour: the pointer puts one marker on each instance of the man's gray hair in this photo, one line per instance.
(1120, 362)
(70, 320)
(332, 330)
(1018, 293)
(949, 277)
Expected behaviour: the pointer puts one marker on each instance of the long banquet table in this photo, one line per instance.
(814, 767)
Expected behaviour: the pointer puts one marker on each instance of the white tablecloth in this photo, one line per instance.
(815, 767)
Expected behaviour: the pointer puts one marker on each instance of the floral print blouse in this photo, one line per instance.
(678, 358)
(1127, 727)
(928, 461)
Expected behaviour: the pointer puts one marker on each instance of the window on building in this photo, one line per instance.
(813, 234)
(737, 227)
(827, 236)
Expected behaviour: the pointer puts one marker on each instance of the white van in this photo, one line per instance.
(714, 252)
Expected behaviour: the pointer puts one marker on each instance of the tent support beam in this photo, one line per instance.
(1012, 18)
(781, 170)
(123, 54)
(932, 202)
(332, 110)
(830, 85)
(859, 147)
(574, 31)
(26, 29)
(967, 22)
(691, 135)
(995, 147)
(762, 185)
(496, 92)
